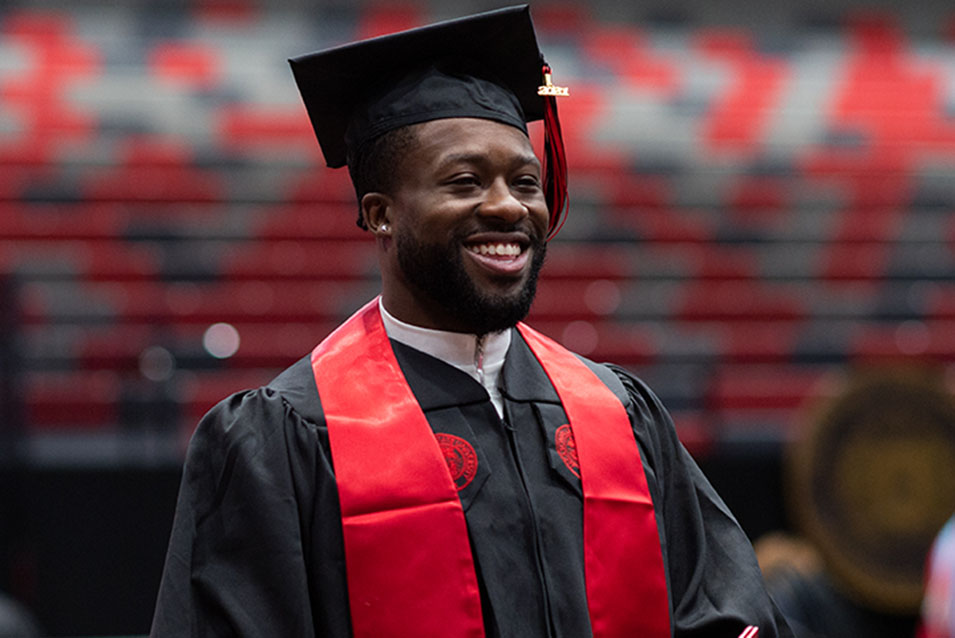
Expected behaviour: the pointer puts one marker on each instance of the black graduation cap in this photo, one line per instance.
(486, 65)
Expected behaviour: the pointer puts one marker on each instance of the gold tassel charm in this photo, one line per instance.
(549, 89)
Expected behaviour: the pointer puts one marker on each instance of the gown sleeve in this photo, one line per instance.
(237, 558)
(716, 587)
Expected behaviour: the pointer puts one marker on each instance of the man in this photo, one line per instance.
(435, 468)
(938, 605)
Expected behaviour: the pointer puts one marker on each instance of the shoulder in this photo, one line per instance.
(256, 436)
(652, 425)
(251, 422)
(289, 396)
(633, 392)
(296, 388)
(640, 401)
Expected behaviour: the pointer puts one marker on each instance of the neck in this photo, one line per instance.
(419, 313)
(480, 356)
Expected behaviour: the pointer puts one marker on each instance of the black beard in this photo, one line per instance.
(437, 271)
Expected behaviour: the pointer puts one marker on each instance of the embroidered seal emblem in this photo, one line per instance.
(567, 449)
(461, 459)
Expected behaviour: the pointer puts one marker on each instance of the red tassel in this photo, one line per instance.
(555, 165)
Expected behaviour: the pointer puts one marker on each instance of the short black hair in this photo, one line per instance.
(372, 167)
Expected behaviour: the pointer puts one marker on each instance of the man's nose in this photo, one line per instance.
(500, 202)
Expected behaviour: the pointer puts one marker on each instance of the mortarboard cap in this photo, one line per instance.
(486, 65)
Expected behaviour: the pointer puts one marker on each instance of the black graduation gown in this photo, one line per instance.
(256, 547)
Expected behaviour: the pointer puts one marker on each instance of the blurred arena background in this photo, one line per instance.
(762, 201)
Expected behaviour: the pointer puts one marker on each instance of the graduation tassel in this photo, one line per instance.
(555, 158)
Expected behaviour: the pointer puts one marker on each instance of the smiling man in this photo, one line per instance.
(435, 467)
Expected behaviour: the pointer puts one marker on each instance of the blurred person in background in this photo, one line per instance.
(938, 606)
(15, 620)
(870, 481)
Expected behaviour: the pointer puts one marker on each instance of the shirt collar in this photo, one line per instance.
(455, 348)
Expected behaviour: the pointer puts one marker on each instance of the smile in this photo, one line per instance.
(496, 249)
(499, 258)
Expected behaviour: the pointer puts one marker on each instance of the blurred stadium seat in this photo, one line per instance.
(720, 220)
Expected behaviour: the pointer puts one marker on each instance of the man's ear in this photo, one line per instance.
(376, 211)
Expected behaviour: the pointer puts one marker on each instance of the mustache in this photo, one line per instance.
(525, 227)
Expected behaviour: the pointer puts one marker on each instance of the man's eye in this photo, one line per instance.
(465, 180)
(528, 181)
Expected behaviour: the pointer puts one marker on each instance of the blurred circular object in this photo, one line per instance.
(157, 364)
(581, 337)
(602, 297)
(221, 340)
(872, 480)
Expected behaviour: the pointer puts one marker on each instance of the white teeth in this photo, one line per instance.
(504, 250)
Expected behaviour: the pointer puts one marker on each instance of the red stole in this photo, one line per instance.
(409, 566)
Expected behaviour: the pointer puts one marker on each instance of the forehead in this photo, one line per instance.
(470, 139)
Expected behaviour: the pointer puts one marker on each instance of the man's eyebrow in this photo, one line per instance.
(481, 158)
